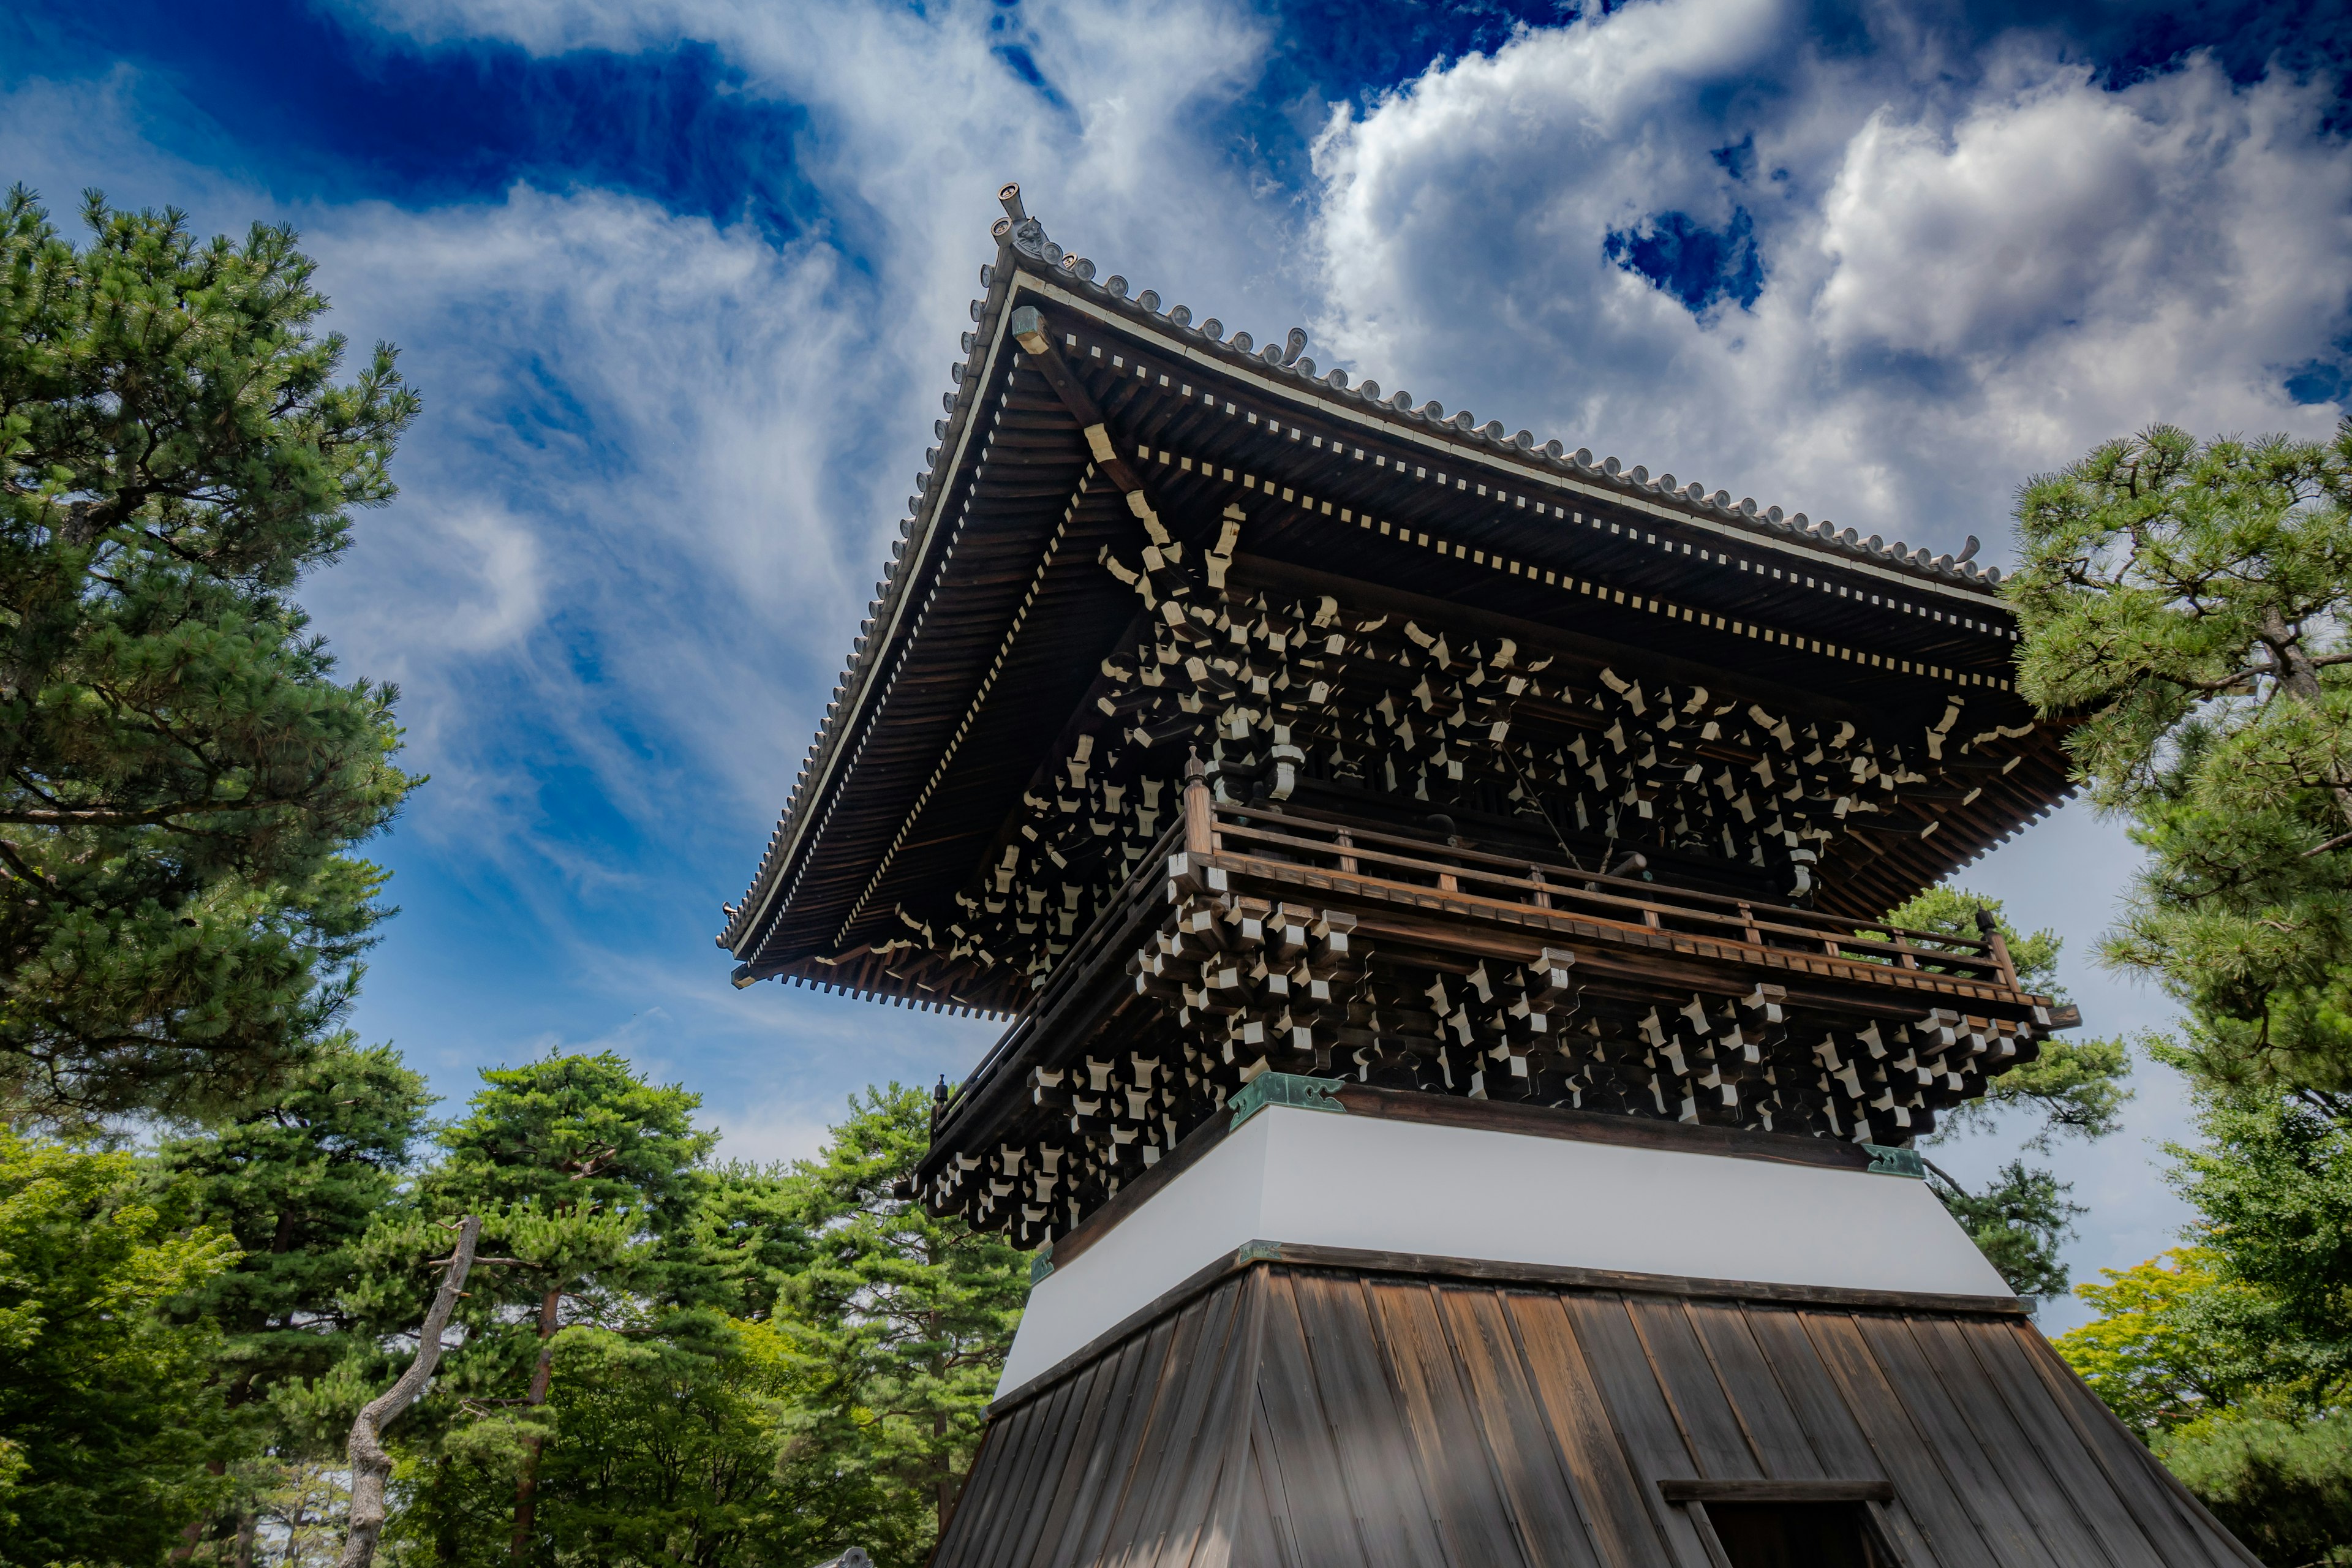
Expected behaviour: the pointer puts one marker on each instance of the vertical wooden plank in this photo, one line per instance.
(1322, 1527)
(1782, 1448)
(1376, 1459)
(1604, 1457)
(1816, 1400)
(1217, 1527)
(1933, 1499)
(1108, 1380)
(2049, 1506)
(1040, 1422)
(1718, 1443)
(1980, 1485)
(2153, 1492)
(2091, 1489)
(1555, 1523)
(1114, 1523)
(1020, 1449)
(1180, 1460)
(1105, 1480)
(1067, 1487)
(980, 1488)
(1259, 1538)
(1472, 1513)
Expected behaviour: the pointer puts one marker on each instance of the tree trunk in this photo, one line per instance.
(370, 1466)
(2301, 678)
(946, 1484)
(526, 1515)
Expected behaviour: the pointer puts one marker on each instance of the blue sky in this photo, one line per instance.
(680, 281)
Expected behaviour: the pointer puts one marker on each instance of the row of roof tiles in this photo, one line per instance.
(1026, 234)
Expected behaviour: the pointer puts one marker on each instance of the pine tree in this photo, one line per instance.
(295, 1179)
(2188, 601)
(108, 1408)
(580, 1169)
(914, 1314)
(182, 776)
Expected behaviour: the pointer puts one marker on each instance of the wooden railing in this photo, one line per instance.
(1353, 849)
(1075, 989)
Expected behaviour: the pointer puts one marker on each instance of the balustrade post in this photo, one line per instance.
(1199, 823)
(1348, 863)
(1990, 930)
(1543, 897)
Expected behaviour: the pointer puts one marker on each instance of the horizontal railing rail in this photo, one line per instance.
(1348, 849)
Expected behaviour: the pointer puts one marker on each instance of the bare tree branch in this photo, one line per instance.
(370, 1466)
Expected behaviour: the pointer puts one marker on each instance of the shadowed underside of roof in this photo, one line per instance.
(1300, 1417)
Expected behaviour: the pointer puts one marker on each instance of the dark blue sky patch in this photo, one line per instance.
(2120, 41)
(1738, 160)
(2319, 381)
(1011, 51)
(1696, 265)
(313, 109)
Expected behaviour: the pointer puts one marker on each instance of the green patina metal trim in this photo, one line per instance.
(1284, 1089)
(1041, 1265)
(1257, 1252)
(1886, 1162)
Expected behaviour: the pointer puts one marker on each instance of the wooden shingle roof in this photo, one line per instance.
(1352, 1410)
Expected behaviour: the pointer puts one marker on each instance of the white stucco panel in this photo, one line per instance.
(1324, 1179)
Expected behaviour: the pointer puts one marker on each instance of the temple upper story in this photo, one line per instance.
(1217, 718)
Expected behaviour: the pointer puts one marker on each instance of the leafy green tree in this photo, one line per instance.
(182, 776)
(2149, 1354)
(108, 1410)
(913, 1313)
(296, 1179)
(2189, 601)
(581, 1170)
(2074, 1088)
(2282, 1487)
(2271, 1183)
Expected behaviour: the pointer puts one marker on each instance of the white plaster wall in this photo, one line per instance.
(1319, 1178)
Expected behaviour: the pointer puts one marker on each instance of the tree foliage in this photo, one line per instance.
(2073, 1087)
(2188, 601)
(2282, 1487)
(295, 1178)
(914, 1313)
(181, 775)
(108, 1410)
(2149, 1354)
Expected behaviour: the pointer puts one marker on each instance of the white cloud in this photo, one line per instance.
(1962, 286)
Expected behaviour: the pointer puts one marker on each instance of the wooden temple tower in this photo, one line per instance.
(1457, 1087)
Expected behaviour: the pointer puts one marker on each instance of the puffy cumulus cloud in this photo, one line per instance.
(1966, 278)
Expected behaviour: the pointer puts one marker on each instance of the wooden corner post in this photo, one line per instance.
(1199, 825)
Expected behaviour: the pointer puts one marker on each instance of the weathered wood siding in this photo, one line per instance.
(1309, 1419)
